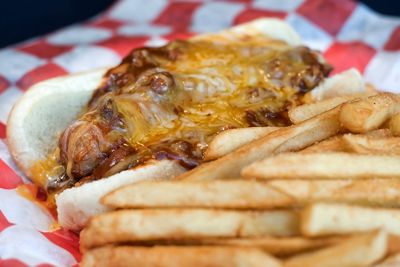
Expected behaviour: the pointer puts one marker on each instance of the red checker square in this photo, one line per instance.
(124, 44)
(65, 239)
(106, 23)
(330, 15)
(41, 73)
(394, 41)
(12, 263)
(8, 178)
(3, 84)
(43, 49)
(347, 55)
(242, 1)
(178, 15)
(178, 35)
(250, 14)
(4, 223)
(2, 130)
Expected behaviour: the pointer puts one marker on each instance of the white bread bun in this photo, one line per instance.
(34, 126)
(276, 29)
(348, 82)
(44, 111)
(47, 108)
(77, 204)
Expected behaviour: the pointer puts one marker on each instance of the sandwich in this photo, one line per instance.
(81, 136)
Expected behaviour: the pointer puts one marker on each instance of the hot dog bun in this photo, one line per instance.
(49, 107)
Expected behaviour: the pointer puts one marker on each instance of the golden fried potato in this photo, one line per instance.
(372, 192)
(291, 138)
(394, 124)
(304, 112)
(320, 219)
(334, 165)
(236, 194)
(362, 251)
(333, 144)
(162, 256)
(365, 144)
(165, 224)
(230, 140)
(363, 115)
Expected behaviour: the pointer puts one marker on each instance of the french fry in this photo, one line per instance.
(364, 144)
(304, 112)
(363, 115)
(333, 144)
(380, 133)
(372, 192)
(250, 194)
(290, 138)
(162, 256)
(362, 250)
(229, 140)
(158, 224)
(301, 205)
(322, 219)
(390, 261)
(393, 244)
(337, 144)
(237, 194)
(278, 246)
(394, 124)
(370, 88)
(335, 165)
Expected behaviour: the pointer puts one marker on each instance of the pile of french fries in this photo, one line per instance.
(322, 192)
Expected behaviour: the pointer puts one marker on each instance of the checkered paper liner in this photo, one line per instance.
(349, 34)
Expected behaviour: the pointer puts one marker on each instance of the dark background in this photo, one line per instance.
(23, 19)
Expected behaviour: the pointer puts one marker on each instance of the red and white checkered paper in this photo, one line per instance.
(349, 33)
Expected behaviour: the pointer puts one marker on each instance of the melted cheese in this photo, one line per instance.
(209, 87)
